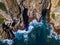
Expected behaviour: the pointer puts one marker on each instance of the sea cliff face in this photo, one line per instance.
(37, 34)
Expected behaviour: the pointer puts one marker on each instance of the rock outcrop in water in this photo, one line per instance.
(40, 34)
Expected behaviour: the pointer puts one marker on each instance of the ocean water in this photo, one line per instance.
(40, 34)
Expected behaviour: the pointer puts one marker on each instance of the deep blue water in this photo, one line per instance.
(37, 36)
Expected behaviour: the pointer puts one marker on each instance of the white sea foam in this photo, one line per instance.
(8, 41)
(53, 35)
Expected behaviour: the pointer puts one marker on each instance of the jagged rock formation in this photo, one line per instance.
(12, 6)
(14, 11)
(6, 16)
(54, 4)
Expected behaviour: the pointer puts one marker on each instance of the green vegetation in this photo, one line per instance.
(53, 16)
(1, 20)
(2, 6)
